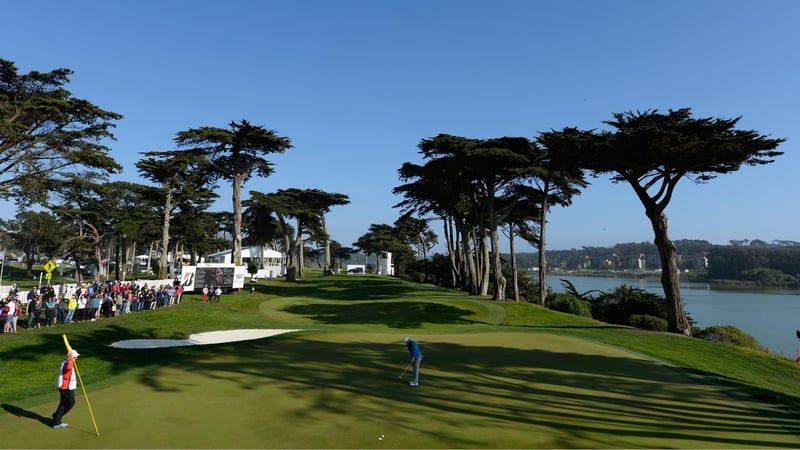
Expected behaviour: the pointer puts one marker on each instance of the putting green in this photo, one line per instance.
(520, 389)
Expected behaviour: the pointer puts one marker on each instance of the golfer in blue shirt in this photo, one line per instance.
(416, 359)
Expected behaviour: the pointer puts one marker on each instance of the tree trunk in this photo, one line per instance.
(514, 277)
(452, 251)
(101, 271)
(116, 258)
(299, 248)
(542, 256)
(670, 276)
(162, 267)
(470, 268)
(238, 179)
(287, 243)
(149, 257)
(134, 260)
(483, 262)
(497, 268)
(123, 264)
(327, 245)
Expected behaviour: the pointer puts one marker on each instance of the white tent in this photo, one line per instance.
(273, 260)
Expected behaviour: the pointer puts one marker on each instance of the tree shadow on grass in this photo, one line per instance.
(354, 287)
(348, 287)
(392, 314)
(611, 400)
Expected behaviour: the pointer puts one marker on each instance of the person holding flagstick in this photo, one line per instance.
(67, 383)
(67, 374)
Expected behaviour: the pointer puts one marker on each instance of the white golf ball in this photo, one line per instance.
(380, 437)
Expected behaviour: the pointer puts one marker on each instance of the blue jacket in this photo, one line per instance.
(413, 350)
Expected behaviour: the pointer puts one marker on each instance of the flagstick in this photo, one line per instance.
(83, 388)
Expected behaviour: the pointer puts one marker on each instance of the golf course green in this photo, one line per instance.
(494, 375)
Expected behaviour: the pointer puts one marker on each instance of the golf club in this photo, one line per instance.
(404, 371)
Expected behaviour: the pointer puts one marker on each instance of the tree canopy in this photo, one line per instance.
(652, 152)
(234, 155)
(47, 135)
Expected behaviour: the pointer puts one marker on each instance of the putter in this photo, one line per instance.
(404, 371)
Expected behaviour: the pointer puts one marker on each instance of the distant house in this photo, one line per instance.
(274, 263)
(385, 265)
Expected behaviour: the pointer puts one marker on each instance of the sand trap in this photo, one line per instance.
(212, 337)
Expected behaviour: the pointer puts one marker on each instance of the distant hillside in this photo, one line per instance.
(755, 261)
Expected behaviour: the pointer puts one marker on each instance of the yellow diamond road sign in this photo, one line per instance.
(49, 266)
(48, 276)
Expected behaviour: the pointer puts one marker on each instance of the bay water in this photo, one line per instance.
(772, 316)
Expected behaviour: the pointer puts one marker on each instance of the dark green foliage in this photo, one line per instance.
(252, 267)
(618, 305)
(768, 277)
(733, 262)
(647, 322)
(569, 304)
(47, 136)
(440, 271)
(415, 271)
(729, 334)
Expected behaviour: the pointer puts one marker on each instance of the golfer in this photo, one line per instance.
(416, 359)
(67, 382)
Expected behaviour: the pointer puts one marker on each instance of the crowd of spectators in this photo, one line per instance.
(63, 304)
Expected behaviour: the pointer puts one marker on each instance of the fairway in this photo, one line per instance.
(341, 390)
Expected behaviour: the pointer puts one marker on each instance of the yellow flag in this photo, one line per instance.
(66, 342)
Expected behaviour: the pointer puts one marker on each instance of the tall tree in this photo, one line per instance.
(380, 238)
(234, 155)
(558, 179)
(416, 232)
(485, 168)
(36, 234)
(260, 224)
(341, 253)
(179, 181)
(522, 221)
(286, 204)
(322, 202)
(441, 187)
(47, 135)
(92, 212)
(496, 165)
(652, 152)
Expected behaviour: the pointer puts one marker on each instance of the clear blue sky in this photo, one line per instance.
(356, 84)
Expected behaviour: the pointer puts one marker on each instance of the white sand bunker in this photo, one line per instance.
(212, 337)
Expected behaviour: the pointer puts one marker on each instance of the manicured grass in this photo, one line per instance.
(495, 375)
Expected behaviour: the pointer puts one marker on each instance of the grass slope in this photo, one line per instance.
(495, 375)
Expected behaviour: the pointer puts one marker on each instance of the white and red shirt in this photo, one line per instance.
(66, 374)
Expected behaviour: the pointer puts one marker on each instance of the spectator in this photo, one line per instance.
(61, 309)
(10, 313)
(80, 310)
(17, 314)
(50, 311)
(95, 302)
(72, 305)
(35, 313)
(32, 294)
(4, 308)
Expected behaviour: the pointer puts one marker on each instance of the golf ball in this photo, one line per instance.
(380, 437)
